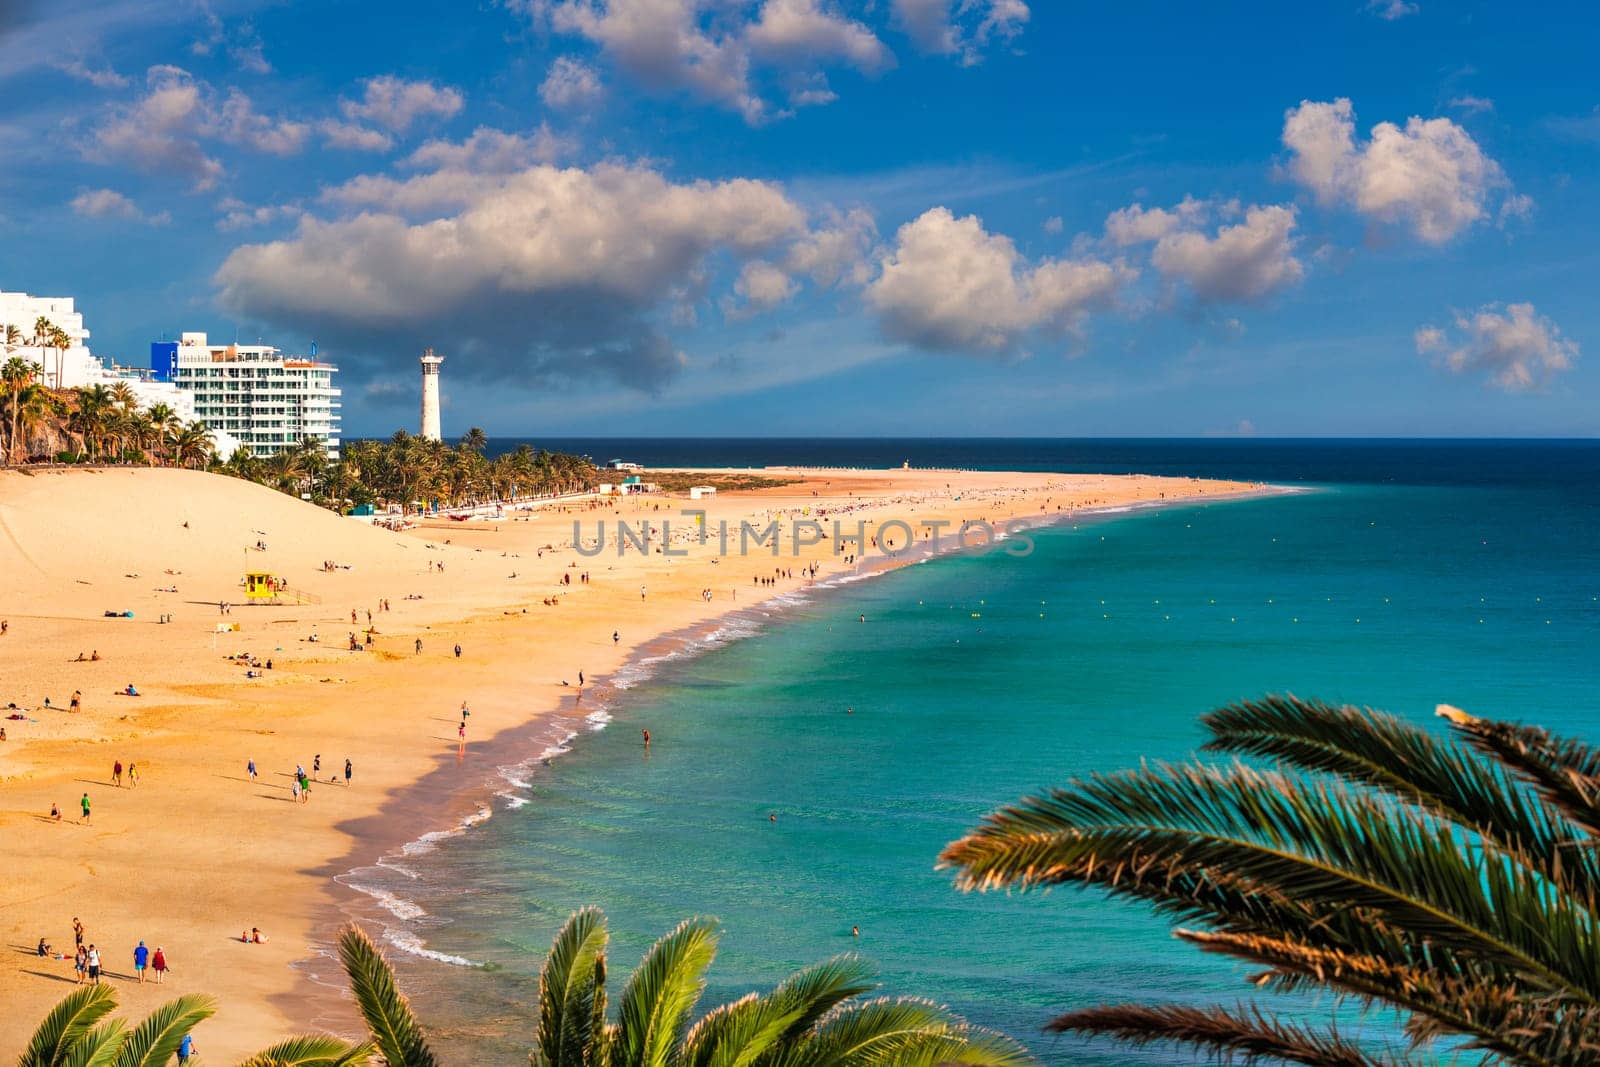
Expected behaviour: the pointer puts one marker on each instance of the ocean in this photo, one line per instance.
(1405, 575)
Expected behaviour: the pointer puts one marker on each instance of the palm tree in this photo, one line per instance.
(73, 1034)
(1452, 880)
(16, 374)
(192, 447)
(812, 1018)
(475, 440)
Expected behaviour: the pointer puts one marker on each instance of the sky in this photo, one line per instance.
(834, 217)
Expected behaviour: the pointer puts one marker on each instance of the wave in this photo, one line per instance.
(408, 942)
(398, 906)
(598, 720)
(430, 840)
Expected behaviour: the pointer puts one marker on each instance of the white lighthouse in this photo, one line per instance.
(430, 395)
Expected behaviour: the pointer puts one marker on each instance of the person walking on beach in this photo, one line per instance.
(295, 790)
(461, 733)
(116, 774)
(77, 699)
(250, 768)
(80, 964)
(141, 958)
(464, 712)
(85, 803)
(458, 651)
(186, 1050)
(159, 965)
(419, 646)
(77, 932)
(133, 775)
(615, 636)
(93, 960)
(348, 771)
(316, 765)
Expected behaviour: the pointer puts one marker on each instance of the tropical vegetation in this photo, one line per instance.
(812, 1019)
(1451, 880)
(409, 470)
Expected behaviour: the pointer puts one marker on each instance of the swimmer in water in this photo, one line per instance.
(772, 817)
(855, 931)
(646, 738)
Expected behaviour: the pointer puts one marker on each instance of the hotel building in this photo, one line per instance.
(266, 400)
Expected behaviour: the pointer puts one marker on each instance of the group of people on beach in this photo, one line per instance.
(87, 965)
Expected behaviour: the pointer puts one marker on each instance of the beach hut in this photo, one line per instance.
(258, 585)
(361, 510)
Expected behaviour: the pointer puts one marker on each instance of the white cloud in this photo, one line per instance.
(238, 215)
(337, 134)
(950, 285)
(763, 286)
(1137, 224)
(572, 84)
(837, 250)
(110, 204)
(1516, 347)
(239, 123)
(962, 28)
(161, 131)
(1246, 261)
(1390, 10)
(714, 50)
(805, 30)
(1472, 105)
(102, 78)
(242, 45)
(1429, 176)
(1054, 225)
(537, 274)
(491, 151)
(395, 103)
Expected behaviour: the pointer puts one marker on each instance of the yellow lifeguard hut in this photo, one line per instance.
(259, 585)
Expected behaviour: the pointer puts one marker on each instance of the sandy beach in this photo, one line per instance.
(197, 852)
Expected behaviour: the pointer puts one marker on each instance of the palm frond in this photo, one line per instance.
(99, 1047)
(737, 1034)
(1563, 771)
(66, 1025)
(1245, 1034)
(818, 989)
(902, 1032)
(1376, 749)
(155, 1041)
(395, 1030)
(661, 993)
(1322, 845)
(568, 989)
(313, 1050)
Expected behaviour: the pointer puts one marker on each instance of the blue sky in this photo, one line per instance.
(939, 217)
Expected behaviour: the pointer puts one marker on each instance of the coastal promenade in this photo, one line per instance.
(199, 851)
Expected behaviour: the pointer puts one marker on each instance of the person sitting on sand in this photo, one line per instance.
(257, 937)
(81, 658)
(130, 690)
(44, 948)
(94, 657)
(55, 811)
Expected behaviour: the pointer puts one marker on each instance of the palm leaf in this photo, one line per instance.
(820, 988)
(1565, 772)
(395, 1030)
(313, 1050)
(1245, 1034)
(99, 1047)
(657, 1000)
(1378, 750)
(155, 1041)
(67, 1024)
(1323, 846)
(737, 1034)
(901, 1032)
(569, 984)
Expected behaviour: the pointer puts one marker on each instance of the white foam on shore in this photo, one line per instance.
(430, 840)
(514, 800)
(408, 942)
(597, 720)
(398, 906)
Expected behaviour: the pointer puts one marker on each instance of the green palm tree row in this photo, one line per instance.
(96, 423)
(1452, 880)
(814, 1018)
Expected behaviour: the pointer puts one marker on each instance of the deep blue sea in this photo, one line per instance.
(1415, 573)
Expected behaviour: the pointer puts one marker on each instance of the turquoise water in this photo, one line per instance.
(973, 681)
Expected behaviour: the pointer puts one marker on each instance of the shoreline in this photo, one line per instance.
(468, 806)
(278, 868)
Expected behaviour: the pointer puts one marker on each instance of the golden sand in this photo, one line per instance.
(196, 853)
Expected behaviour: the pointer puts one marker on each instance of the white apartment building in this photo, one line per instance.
(266, 400)
(74, 366)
